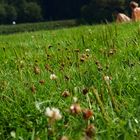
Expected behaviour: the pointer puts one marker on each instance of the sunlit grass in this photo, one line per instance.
(90, 73)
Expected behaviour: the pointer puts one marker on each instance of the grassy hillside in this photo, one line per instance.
(95, 84)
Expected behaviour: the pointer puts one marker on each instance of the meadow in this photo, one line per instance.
(81, 83)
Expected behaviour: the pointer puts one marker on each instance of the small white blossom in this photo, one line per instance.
(53, 77)
(13, 134)
(53, 113)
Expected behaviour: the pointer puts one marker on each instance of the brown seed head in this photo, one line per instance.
(85, 91)
(90, 131)
(42, 82)
(33, 89)
(87, 114)
(66, 93)
(36, 70)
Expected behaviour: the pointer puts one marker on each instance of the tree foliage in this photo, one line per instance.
(38, 10)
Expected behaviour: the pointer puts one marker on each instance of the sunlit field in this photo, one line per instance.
(81, 83)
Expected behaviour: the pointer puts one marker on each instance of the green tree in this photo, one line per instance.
(2, 14)
(32, 12)
(11, 13)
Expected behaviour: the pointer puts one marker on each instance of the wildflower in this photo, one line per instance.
(13, 134)
(53, 77)
(75, 108)
(87, 114)
(53, 113)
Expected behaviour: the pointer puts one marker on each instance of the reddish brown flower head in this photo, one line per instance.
(87, 114)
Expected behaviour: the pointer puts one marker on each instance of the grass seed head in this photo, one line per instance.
(85, 91)
(33, 88)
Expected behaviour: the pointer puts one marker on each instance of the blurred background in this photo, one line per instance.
(86, 11)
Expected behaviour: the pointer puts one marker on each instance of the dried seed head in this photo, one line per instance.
(36, 70)
(67, 77)
(87, 114)
(33, 88)
(42, 82)
(66, 93)
(75, 108)
(85, 91)
(100, 68)
(90, 131)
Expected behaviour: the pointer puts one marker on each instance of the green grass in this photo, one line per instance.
(30, 27)
(114, 52)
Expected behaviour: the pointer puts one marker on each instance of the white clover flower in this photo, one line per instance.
(53, 113)
(53, 77)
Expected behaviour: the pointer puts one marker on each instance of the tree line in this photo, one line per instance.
(43, 10)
